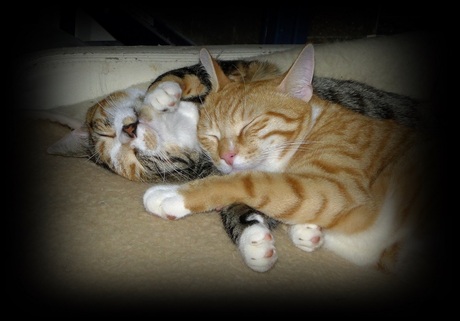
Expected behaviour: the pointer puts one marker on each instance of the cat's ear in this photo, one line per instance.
(74, 144)
(298, 79)
(216, 75)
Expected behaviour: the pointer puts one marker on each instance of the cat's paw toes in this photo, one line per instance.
(166, 97)
(307, 237)
(165, 202)
(257, 246)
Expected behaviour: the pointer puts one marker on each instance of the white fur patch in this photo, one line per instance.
(114, 151)
(165, 98)
(165, 202)
(257, 247)
(307, 237)
(366, 247)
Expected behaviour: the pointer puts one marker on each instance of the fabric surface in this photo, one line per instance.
(85, 241)
(90, 241)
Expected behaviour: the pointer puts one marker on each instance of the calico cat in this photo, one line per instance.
(146, 142)
(353, 184)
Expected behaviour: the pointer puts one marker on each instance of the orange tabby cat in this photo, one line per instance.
(355, 185)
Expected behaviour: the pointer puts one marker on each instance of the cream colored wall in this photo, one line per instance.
(62, 77)
(67, 76)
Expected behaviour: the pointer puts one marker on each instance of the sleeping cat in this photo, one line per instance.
(112, 122)
(113, 134)
(151, 137)
(353, 184)
(153, 142)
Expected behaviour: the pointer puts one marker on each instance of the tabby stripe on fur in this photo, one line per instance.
(237, 217)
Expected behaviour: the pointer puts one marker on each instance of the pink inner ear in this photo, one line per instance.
(297, 81)
(305, 92)
(73, 144)
(216, 75)
(81, 132)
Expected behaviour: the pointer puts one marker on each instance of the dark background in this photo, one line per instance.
(33, 27)
(41, 27)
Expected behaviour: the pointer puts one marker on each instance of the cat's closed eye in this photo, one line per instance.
(109, 135)
(212, 137)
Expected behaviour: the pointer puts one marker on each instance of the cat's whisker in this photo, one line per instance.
(205, 113)
(170, 167)
(95, 157)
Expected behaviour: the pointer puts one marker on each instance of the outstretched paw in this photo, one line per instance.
(165, 202)
(165, 97)
(257, 246)
(307, 237)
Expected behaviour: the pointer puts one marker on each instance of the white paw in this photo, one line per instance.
(307, 237)
(257, 246)
(165, 202)
(165, 97)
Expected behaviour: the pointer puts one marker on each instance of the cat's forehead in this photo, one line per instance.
(118, 105)
(245, 99)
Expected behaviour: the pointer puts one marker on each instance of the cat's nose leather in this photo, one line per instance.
(228, 157)
(130, 129)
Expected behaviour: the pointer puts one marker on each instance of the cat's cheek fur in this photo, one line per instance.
(165, 202)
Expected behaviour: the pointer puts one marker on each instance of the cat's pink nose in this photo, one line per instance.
(228, 157)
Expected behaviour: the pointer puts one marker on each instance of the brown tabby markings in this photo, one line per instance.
(192, 80)
(190, 84)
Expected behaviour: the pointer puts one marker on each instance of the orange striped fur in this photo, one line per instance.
(301, 159)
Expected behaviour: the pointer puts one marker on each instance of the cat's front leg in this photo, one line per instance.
(307, 237)
(165, 202)
(165, 97)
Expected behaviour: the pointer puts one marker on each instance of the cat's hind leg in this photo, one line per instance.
(257, 247)
(307, 237)
(250, 230)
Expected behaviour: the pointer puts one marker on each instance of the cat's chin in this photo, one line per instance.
(226, 170)
(231, 170)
